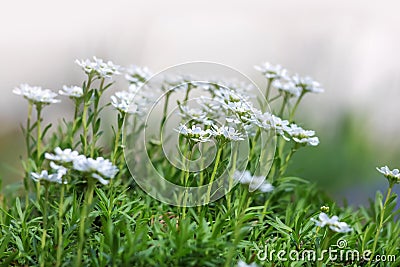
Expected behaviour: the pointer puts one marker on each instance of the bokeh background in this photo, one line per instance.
(351, 47)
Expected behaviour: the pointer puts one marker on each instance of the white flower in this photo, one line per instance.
(271, 71)
(71, 91)
(99, 68)
(62, 156)
(226, 133)
(100, 168)
(195, 133)
(287, 86)
(307, 84)
(138, 75)
(123, 101)
(333, 223)
(195, 115)
(268, 121)
(301, 136)
(391, 175)
(36, 94)
(45, 176)
(254, 182)
(244, 264)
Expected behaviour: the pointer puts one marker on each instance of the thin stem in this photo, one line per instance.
(95, 114)
(28, 151)
(285, 99)
(295, 107)
(118, 138)
(231, 174)
(84, 213)
(214, 173)
(86, 104)
(43, 240)
(60, 226)
(382, 217)
(38, 141)
(164, 118)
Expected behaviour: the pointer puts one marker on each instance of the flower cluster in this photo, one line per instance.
(392, 175)
(99, 68)
(71, 91)
(56, 177)
(333, 223)
(291, 85)
(195, 133)
(137, 75)
(254, 182)
(36, 94)
(99, 168)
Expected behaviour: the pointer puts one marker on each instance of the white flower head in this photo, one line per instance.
(123, 101)
(271, 71)
(99, 67)
(62, 156)
(198, 116)
(71, 91)
(99, 168)
(391, 175)
(287, 86)
(195, 133)
(333, 223)
(36, 94)
(254, 182)
(138, 75)
(268, 121)
(226, 133)
(301, 136)
(46, 177)
(307, 84)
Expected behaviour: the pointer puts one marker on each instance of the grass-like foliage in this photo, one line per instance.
(81, 207)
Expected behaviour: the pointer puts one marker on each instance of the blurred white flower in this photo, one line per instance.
(391, 175)
(71, 91)
(197, 116)
(226, 133)
(333, 223)
(62, 156)
(286, 85)
(122, 101)
(45, 176)
(36, 94)
(301, 136)
(244, 264)
(137, 75)
(268, 121)
(100, 168)
(307, 84)
(254, 182)
(195, 133)
(99, 68)
(271, 71)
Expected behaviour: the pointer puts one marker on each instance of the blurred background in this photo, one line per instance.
(351, 47)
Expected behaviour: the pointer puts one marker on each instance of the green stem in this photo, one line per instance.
(82, 224)
(118, 138)
(39, 138)
(95, 114)
(43, 240)
(231, 174)
(382, 217)
(164, 118)
(28, 151)
(285, 99)
(86, 104)
(60, 226)
(214, 173)
(295, 107)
